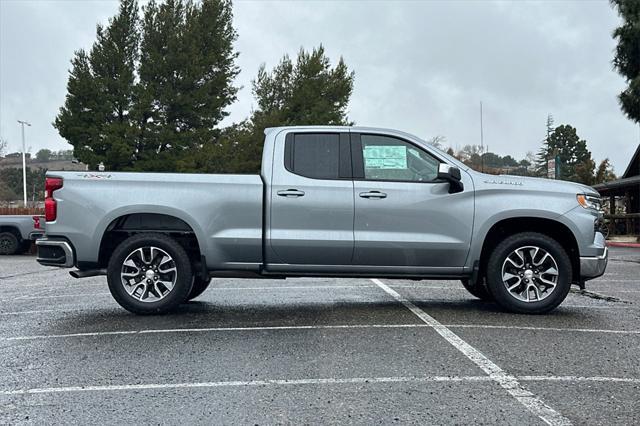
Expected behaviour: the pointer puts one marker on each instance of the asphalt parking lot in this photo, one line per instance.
(316, 351)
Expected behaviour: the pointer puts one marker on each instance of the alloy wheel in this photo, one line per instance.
(148, 274)
(530, 274)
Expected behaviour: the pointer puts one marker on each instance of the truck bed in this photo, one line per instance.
(224, 210)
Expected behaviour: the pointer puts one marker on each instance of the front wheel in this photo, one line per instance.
(529, 273)
(149, 274)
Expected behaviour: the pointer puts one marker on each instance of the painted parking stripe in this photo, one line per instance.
(270, 382)
(310, 327)
(212, 329)
(508, 382)
(301, 382)
(578, 379)
(530, 328)
(42, 311)
(305, 287)
(35, 295)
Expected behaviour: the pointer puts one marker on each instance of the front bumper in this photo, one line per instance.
(593, 267)
(55, 252)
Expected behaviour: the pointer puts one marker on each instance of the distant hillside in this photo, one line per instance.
(13, 163)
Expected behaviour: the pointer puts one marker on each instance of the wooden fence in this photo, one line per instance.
(21, 210)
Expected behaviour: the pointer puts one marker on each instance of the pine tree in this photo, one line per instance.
(186, 72)
(604, 172)
(576, 163)
(627, 58)
(544, 153)
(97, 115)
(307, 92)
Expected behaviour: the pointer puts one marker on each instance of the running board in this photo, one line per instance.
(88, 273)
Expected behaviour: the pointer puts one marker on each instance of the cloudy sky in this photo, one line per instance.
(421, 66)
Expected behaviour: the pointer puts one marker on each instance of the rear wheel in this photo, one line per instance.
(478, 289)
(199, 286)
(149, 274)
(529, 273)
(9, 243)
(25, 247)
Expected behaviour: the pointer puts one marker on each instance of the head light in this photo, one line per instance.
(589, 201)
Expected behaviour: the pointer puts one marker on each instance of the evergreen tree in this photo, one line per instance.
(604, 172)
(187, 68)
(627, 58)
(96, 118)
(544, 154)
(575, 159)
(307, 92)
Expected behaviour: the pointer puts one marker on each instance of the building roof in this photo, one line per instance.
(633, 169)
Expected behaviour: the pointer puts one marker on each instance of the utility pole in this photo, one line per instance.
(481, 141)
(24, 163)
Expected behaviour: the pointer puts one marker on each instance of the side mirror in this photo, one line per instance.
(451, 174)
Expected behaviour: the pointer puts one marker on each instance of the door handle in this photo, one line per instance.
(291, 193)
(376, 195)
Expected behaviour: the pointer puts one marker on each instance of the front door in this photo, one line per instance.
(404, 216)
(311, 217)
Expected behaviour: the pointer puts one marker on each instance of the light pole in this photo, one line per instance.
(24, 163)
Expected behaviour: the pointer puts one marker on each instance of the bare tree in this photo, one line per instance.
(437, 141)
(3, 147)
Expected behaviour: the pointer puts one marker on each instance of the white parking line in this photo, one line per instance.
(508, 382)
(210, 329)
(43, 311)
(311, 381)
(35, 295)
(577, 379)
(529, 328)
(277, 382)
(310, 327)
(303, 287)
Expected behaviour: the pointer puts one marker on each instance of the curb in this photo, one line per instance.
(618, 244)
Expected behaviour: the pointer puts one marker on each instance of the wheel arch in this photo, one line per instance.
(13, 229)
(125, 225)
(549, 227)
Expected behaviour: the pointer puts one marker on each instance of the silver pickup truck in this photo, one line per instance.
(329, 201)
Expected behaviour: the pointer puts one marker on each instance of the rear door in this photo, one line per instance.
(312, 207)
(404, 216)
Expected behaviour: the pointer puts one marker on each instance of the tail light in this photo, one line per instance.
(50, 205)
(36, 222)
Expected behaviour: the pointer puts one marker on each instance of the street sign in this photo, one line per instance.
(551, 168)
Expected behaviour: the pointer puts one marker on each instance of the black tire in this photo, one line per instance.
(198, 287)
(510, 302)
(9, 243)
(25, 247)
(478, 290)
(183, 275)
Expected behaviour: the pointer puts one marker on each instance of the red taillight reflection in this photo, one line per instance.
(50, 205)
(36, 222)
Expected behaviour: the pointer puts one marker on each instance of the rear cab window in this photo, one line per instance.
(318, 155)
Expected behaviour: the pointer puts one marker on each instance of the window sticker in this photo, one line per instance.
(385, 157)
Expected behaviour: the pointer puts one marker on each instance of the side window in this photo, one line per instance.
(388, 158)
(313, 155)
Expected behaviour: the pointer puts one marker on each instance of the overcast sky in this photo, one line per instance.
(421, 67)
